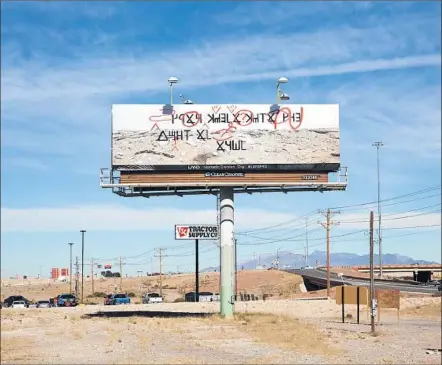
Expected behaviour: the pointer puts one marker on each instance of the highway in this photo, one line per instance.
(319, 278)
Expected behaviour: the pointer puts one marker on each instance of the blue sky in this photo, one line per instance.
(65, 63)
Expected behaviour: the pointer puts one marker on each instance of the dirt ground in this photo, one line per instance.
(279, 283)
(262, 332)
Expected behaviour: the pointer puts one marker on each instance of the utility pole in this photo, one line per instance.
(121, 274)
(92, 275)
(306, 242)
(254, 260)
(76, 276)
(236, 270)
(378, 145)
(160, 257)
(372, 300)
(197, 272)
(327, 225)
(82, 264)
(70, 267)
(277, 258)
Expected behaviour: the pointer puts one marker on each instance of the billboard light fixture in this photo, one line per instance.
(283, 80)
(284, 96)
(172, 80)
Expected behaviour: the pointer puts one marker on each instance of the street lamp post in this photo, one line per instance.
(82, 264)
(70, 267)
(378, 145)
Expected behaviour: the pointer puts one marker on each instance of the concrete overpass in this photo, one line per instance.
(317, 279)
(421, 273)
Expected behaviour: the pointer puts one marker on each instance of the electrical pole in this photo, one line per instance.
(327, 225)
(92, 275)
(82, 264)
(197, 272)
(70, 267)
(277, 258)
(121, 274)
(378, 145)
(236, 270)
(372, 300)
(76, 276)
(160, 257)
(306, 242)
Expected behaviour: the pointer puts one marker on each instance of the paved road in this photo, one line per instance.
(322, 276)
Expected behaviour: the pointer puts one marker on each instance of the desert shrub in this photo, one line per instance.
(178, 300)
(131, 295)
(99, 294)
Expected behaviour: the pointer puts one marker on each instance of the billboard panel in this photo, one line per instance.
(196, 232)
(206, 137)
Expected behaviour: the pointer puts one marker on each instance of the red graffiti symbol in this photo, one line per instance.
(244, 118)
(183, 231)
(287, 112)
(160, 118)
(225, 134)
(231, 108)
(190, 119)
(216, 108)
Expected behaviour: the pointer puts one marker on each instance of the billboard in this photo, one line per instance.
(64, 272)
(225, 138)
(196, 232)
(54, 273)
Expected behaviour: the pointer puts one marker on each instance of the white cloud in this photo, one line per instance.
(121, 218)
(117, 217)
(23, 163)
(91, 80)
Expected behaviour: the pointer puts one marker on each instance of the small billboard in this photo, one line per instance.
(216, 139)
(196, 232)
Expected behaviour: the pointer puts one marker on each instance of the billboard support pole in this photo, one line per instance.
(197, 282)
(227, 249)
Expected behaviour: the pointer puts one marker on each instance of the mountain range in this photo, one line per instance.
(288, 259)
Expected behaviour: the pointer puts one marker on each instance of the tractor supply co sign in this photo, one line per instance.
(196, 232)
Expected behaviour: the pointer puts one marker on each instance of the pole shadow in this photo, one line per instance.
(147, 314)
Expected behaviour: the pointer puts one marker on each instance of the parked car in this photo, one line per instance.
(14, 298)
(108, 299)
(43, 304)
(120, 299)
(439, 287)
(151, 298)
(66, 300)
(307, 267)
(19, 304)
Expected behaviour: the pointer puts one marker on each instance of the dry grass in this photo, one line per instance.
(426, 310)
(281, 331)
(15, 349)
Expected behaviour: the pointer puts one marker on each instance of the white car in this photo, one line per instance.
(151, 298)
(18, 304)
(307, 268)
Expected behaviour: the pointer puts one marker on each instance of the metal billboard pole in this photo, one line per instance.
(227, 251)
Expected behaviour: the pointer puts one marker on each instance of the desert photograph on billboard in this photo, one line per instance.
(258, 137)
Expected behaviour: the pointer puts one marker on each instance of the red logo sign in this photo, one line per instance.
(183, 231)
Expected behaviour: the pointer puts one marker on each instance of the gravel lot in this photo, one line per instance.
(291, 332)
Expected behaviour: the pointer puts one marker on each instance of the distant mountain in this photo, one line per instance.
(288, 259)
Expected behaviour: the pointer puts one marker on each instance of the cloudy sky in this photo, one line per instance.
(65, 63)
